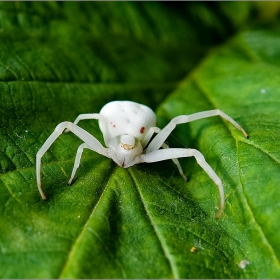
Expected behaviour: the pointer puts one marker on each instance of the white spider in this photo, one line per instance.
(127, 129)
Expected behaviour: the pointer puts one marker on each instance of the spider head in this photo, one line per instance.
(123, 149)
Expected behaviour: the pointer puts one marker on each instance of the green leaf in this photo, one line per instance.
(242, 80)
(58, 60)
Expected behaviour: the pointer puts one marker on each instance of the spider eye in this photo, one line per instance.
(127, 142)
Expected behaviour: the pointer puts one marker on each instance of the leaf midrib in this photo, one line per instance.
(174, 271)
(77, 241)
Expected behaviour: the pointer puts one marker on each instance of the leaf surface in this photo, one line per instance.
(241, 79)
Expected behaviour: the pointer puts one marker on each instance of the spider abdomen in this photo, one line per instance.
(127, 118)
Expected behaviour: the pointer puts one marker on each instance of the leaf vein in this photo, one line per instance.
(166, 252)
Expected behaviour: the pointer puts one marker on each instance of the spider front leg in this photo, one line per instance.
(166, 131)
(148, 137)
(175, 153)
(90, 140)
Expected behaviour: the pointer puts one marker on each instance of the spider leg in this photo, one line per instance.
(93, 116)
(176, 161)
(149, 135)
(166, 131)
(86, 117)
(173, 153)
(77, 161)
(90, 140)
